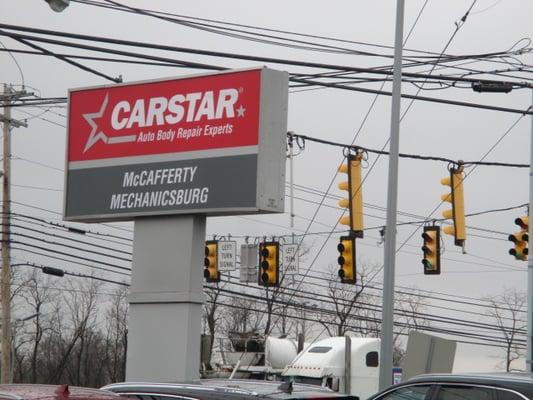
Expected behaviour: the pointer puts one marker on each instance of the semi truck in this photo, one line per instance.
(326, 363)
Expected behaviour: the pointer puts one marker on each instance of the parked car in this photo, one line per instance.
(22, 391)
(482, 386)
(225, 389)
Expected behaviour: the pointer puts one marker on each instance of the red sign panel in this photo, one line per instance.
(171, 116)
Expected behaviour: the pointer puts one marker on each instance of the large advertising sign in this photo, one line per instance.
(211, 144)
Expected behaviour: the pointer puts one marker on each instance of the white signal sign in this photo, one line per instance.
(249, 262)
(227, 255)
(290, 259)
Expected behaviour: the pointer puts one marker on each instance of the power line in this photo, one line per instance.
(404, 155)
(210, 23)
(217, 54)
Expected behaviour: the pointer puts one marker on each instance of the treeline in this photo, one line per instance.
(70, 331)
(74, 330)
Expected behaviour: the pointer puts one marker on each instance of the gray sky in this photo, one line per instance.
(430, 129)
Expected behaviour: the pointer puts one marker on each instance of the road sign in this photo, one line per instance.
(227, 256)
(211, 144)
(290, 263)
(249, 262)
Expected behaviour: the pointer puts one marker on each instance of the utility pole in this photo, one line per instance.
(387, 325)
(5, 277)
(529, 341)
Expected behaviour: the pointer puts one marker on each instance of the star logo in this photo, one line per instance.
(97, 134)
(240, 111)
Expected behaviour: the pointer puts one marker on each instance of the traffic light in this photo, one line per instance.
(520, 239)
(211, 273)
(431, 250)
(354, 202)
(457, 212)
(346, 260)
(269, 264)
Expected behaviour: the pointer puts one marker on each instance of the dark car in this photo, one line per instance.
(482, 386)
(220, 389)
(53, 392)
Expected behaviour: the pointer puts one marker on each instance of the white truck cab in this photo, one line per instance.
(324, 363)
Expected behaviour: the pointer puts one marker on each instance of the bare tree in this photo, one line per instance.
(347, 304)
(507, 310)
(210, 315)
(81, 299)
(65, 342)
(117, 335)
(278, 300)
(35, 297)
(409, 314)
(241, 315)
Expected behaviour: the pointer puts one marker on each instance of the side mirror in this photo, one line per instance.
(333, 383)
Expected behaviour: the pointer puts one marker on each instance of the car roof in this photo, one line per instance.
(228, 389)
(53, 392)
(269, 387)
(479, 377)
(521, 382)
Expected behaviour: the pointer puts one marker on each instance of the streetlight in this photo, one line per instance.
(58, 5)
(492, 87)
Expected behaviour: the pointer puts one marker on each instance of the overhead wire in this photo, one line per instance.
(411, 156)
(210, 24)
(299, 306)
(208, 53)
(74, 63)
(54, 227)
(16, 63)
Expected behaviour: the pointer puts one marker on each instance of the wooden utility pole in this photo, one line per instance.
(6, 269)
(5, 276)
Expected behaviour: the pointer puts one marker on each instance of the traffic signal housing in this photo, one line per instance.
(346, 260)
(431, 249)
(457, 212)
(520, 239)
(354, 202)
(269, 264)
(211, 273)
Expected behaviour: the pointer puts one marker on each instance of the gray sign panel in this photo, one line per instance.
(180, 187)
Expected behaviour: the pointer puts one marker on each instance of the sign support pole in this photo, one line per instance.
(385, 365)
(166, 299)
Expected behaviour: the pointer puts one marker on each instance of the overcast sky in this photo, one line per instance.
(427, 128)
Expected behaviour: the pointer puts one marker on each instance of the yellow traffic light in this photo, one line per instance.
(269, 264)
(211, 273)
(346, 260)
(431, 250)
(520, 239)
(457, 212)
(354, 202)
